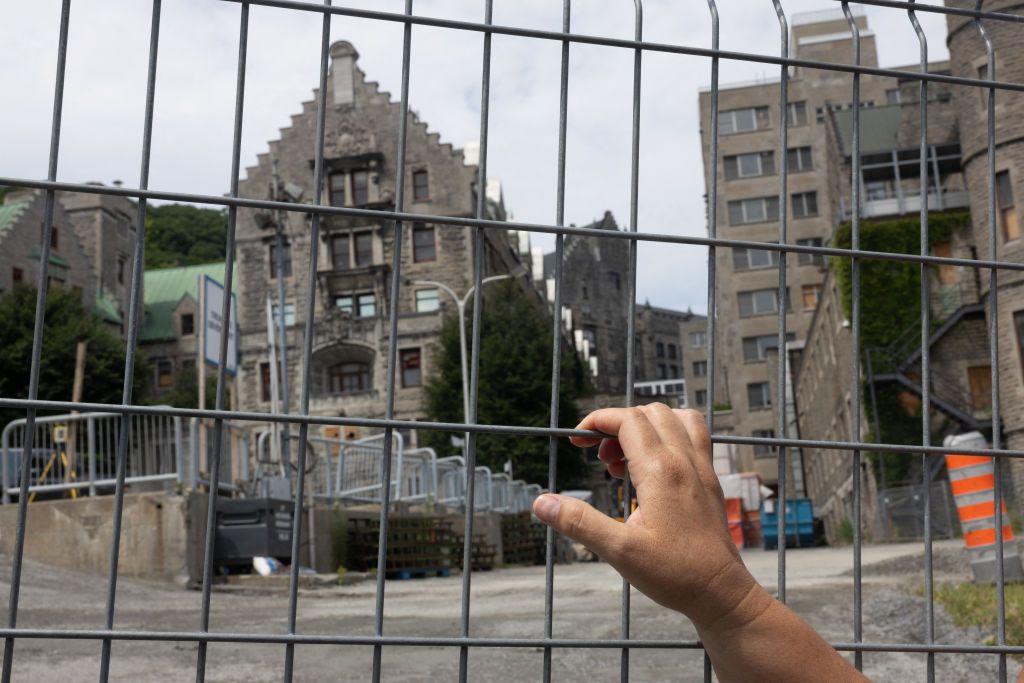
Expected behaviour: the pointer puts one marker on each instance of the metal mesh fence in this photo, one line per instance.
(475, 481)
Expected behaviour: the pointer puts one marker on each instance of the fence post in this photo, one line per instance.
(193, 449)
(90, 437)
(4, 444)
(244, 464)
(179, 457)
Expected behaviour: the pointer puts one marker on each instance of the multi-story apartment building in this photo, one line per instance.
(349, 362)
(748, 208)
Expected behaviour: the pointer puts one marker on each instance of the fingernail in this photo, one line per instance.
(546, 508)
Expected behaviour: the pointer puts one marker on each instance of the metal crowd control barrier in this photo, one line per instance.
(348, 472)
(979, 22)
(77, 451)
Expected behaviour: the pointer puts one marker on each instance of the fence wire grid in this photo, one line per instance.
(486, 29)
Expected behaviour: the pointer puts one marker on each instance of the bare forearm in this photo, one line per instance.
(764, 640)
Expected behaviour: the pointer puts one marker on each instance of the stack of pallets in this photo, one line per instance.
(484, 553)
(417, 546)
(522, 539)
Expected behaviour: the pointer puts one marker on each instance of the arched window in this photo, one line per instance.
(348, 378)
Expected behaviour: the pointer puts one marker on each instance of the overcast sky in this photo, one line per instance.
(105, 92)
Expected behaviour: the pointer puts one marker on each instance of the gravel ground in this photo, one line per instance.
(506, 602)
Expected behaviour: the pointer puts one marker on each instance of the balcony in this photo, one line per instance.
(675, 388)
(895, 206)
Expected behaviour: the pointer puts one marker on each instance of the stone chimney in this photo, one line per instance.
(343, 66)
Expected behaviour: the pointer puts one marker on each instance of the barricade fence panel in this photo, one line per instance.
(382, 471)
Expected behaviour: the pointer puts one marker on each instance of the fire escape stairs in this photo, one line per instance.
(900, 363)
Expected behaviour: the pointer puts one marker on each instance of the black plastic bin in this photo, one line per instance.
(253, 527)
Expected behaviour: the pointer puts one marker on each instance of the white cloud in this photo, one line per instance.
(103, 107)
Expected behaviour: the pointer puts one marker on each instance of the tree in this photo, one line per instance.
(184, 235)
(185, 392)
(67, 323)
(514, 387)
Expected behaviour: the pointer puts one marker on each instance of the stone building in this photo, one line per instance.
(354, 253)
(594, 303)
(669, 355)
(968, 59)
(170, 330)
(21, 224)
(106, 226)
(960, 372)
(748, 209)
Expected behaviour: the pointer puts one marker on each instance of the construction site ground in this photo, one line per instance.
(507, 603)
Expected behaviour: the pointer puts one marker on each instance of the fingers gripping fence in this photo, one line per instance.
(341, 471)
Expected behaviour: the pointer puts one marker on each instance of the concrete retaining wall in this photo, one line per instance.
(76, 534)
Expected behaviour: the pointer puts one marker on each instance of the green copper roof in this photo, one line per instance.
(9, 214)
(163, 289)
(55, 259)
(106, 308)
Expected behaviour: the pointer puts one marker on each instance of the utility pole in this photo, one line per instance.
(76, 397)
(282, 329)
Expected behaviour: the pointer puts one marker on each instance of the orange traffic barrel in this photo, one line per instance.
(734, 516)
(972, 481)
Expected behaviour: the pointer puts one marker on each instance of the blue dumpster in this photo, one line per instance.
(799, 523)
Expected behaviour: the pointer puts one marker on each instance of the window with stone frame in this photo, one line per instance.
(760, 450)
(424, 246)
(749, 165)
(810, 294)
(363, 248)
(751, 259)
(753, 210)
(286, 263)
(805, 204)
(805, 259)
(700, 368)
(164, 373)
(760, 302)
(1008, 219)
(410, 363)
(348, 378)
(265, 382)
(796, 113)
(360, 187)
(799, 159)
(341, 251)
(744, 120)
(336, 184)
(759, 396)
(420, 185)
(427, 300)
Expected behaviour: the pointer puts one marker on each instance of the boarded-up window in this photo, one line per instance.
(980, 379)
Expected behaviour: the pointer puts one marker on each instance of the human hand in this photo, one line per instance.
(676, 547)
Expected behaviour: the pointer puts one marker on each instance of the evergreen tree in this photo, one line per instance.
(184, 235)
(514, 387)
(67, 322)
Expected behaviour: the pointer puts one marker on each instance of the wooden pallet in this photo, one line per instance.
(523, 541)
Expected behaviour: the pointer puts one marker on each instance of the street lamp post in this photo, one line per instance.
(460, 305)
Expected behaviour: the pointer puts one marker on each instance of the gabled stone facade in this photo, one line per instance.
(354, 254)
(21, 225)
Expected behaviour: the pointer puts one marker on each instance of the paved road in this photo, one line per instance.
(506, 603)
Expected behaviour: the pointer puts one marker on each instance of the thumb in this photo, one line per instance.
(581, 522)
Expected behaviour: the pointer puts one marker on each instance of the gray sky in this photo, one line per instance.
(105, 91)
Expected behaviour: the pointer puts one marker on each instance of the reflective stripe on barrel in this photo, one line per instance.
(972, 480)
